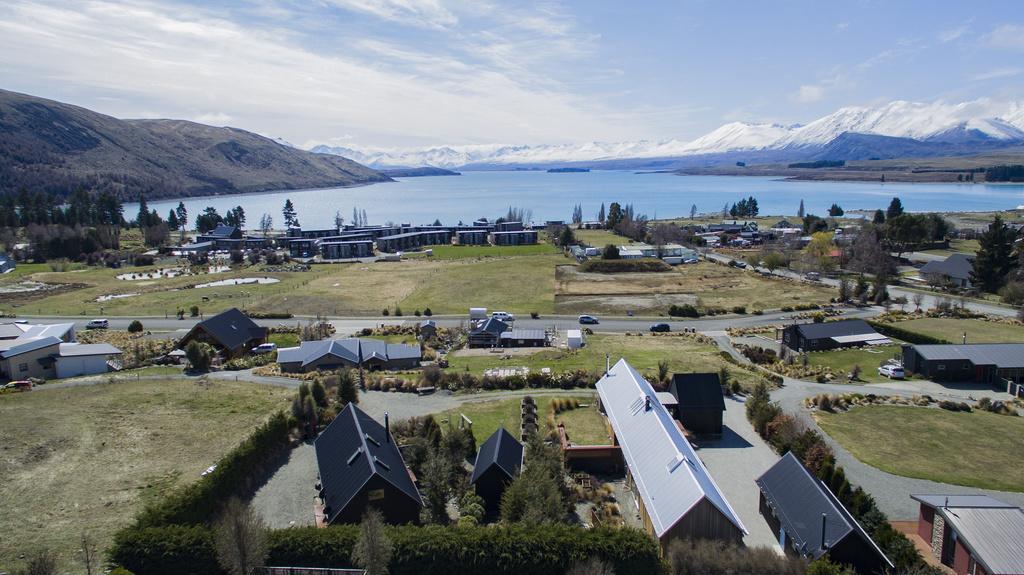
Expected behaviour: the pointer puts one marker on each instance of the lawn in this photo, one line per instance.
(284, 339)
(978, 331)
(599, 238)
(450, 252)
(85, 459)
(584, 424)
(976, 449)
(957, 247)
(642, 352)
(703, 284)
(868, 358)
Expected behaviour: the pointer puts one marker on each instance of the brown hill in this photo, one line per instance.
(56, 147)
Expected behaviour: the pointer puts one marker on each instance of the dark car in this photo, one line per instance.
(660, 327)
(588, 319)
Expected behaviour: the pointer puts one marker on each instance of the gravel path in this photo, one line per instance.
(286, 499)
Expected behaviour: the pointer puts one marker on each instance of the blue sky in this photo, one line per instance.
(421, 72)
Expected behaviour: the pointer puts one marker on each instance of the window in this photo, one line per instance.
(941, 367)
(22, 367)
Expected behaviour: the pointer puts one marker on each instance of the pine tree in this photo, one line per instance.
(172, 221)
(994, 259)
(800, 212)
(143, 218)
(290, 220)
(600, 213)
(895, 209)
(693, 211)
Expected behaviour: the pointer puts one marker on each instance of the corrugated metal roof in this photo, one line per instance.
(994, 535)
(82, 349)
(831, 329)
(29, 345)
(669, 476)
(524, 334)
(1004, 355)
(957, 266)
(959, 501)
(349, 349)
(697, 390)
(500, 450)
(800, 500)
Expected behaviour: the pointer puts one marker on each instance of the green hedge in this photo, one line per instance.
(429, 550)
(624, 266)
(236, 473)
(890, 330)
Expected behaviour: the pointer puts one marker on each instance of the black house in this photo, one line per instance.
(989, 363)
(830, 335)
(497, 464)
(231, 332)
(488, 334)
(360, 467)
(810, 522)
(699, 402)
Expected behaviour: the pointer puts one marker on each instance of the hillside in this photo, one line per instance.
(57, 147)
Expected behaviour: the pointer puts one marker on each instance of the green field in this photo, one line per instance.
(952, 329)
(956, 247)
(284, 339)
(868, 358)
(976, 449)
(85, 459)
(584, 424)
(642, 352)
(599, 238)
(450, 252)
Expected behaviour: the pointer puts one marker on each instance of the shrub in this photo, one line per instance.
(198, 355)
(890, 330)
(705, 557)
(740, 309)
(609, 266)
(385, 312)
(416, 313)
(143, 260)
(135, 326)
(398, 311)
(236, 256)
(1013, 293)
(685, 310)
(427, 312)
(194, 311)
(534, 315)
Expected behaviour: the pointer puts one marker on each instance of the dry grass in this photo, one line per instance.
(85, 459)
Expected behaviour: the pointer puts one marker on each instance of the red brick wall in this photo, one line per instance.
(962, 559)
(924, 523)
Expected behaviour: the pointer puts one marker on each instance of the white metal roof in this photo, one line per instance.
(669, 476)
(870, 338)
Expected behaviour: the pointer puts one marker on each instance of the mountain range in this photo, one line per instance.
(896, 129)
(56, 147)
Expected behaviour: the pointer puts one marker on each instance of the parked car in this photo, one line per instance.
(588, 319)
(691, 260)
(662, 327)
(503, 316)
(891, 371)
(97, 324)
(265, 348)
(19, 385)
(812, 276)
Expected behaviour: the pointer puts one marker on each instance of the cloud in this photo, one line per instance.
(995, 74)
(422, 13)
(809, 93)
(947, 36)
(1007, 36)
(214, 118)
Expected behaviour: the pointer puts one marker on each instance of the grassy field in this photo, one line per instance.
(704, 284)
(957, 247)
(284, 339)
(585, 425)
(599, 238)
(85, 459)
(642, 352)
(978, 331)
(976, 449)
(488, 416)
(868, 358)
(450, 252)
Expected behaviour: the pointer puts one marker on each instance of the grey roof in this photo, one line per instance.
(412, 234)
(958, 266)
(222, 231)
(991, 530)
(428, 323)
(1003, 355)
(524, 334)
(354, 350)
(669, 476)
(799, 500)
(10, 330)
(697, 391)
(840, 328)
(29, 345)
(231, 328)
(59, 330)
(501, 450)
(83, 349)
(492, 326)
(351, 451)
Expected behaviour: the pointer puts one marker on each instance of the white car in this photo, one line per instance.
(264, 348)
(503, 316)
(891, 371)
(97, 324)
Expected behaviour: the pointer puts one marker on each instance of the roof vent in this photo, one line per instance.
(637, 405)
(371, 440)
(676, 461)
(381, 463)
(355, 455)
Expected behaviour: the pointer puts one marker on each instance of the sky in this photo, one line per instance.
(385, 73)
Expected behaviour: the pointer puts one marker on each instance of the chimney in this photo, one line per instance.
(387, 428)
(965, 338)
(647, 403)
(607, 363)
(824, 519)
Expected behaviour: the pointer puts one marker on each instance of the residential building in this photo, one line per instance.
(50, 357)
(428, 329)
(831, 335)
(510, 226)
(311, 234)
(330, 354)
(676, 497)
(988, 363)
(810, 522)
(514, 238)
(497, 464)
(699, 402)
(471, 237)
(488, 333)
(343, 250)
(973, 534)
(360, 467)
(221, 232)
(302, 247)
(231, 333)
(955, 271)
(524, 338)
(413, 240)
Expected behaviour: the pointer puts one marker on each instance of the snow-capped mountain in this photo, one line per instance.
(937, 128)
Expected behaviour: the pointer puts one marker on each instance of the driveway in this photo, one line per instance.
(735, 461)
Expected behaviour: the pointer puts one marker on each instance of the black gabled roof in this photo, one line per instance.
(230, 328)
(799, 500)
(352, 450)
(492, 326)
(958, 266)
(501, 450)
(835, 329)
(697, 391)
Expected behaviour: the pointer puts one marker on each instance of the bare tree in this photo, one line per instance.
(89, 555)
(372, 550)
(240, 538)
(918, 300)
(266, 224)
(41, 562)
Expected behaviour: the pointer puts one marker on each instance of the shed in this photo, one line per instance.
(428, 329)
(699, 402)
(524, 338)
(810, 522)
(497, 464)
(360, 467)
(574, 338)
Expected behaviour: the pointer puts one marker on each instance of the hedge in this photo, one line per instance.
(890, 330)
(429, 550)
(624, 266)
(235, 474)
